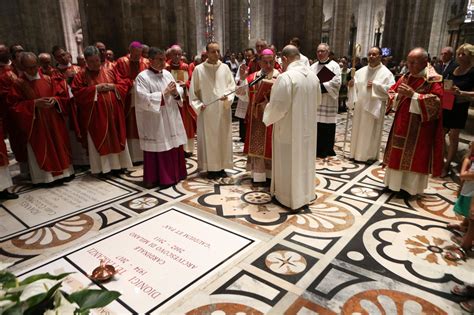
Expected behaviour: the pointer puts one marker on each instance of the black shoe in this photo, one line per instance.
(213, 175)
(188, 154)
(69, 178)
(386, 190)
(402, 194)
(7, 195)
(222, 173)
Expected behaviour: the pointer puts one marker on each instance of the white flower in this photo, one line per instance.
(64, 308)
(37, 287)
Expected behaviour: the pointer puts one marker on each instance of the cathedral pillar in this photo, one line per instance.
(307, 13)
(341, 27)
(407, 24)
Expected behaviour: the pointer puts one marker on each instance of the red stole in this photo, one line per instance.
(415, 142)
(258, 138)
(44, 128)
(127, 71)
(103, 119)
(187, 113)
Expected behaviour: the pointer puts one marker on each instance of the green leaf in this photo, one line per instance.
(7, 280)
(87, 299)
(39, 303)
(14, 310)
(40, 276)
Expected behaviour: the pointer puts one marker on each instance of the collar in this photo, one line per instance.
(325, 62)
(154, 70)
(32, 78)
(62, 67)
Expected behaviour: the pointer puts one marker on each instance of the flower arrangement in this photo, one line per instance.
(41, 294)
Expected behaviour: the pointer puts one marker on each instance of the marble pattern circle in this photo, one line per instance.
(257, 197)
(285, 262)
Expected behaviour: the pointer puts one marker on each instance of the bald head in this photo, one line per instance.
(291, 51)
(417, 60)
(419, 52)
(289, 54)
(29, 63)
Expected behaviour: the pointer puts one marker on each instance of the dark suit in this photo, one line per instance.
(449, 69)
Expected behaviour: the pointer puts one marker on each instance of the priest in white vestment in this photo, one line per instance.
(368, 97)
(160, 126)
(293, 111)
(210, 82)
(329, 74)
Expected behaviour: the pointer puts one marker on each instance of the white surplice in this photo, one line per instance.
(160, 127)
(369, 110)
(214, 129)
(292, 110)
(327, 110)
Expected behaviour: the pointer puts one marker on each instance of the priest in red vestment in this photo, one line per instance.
(127, 68)
(415, 144)
(7, 78)
(179, 70)
(38, 105)
(107, 64)
(65, 70)
(5, 177)
(99, 99)
(258, 139)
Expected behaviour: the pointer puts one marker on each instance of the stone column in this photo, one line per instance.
(200, 35)
(407, 25)
(341, 27)
(370, 19)
(71, 21)
(439, 27)
(36, 25)
(261, 21)
(307, 13)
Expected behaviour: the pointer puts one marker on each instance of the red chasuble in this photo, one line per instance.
(181, 73)
(68, 74)
(45, 128)
(415, 143)
(258, 138)
(128, 70)
(100, 113)
(15, 135)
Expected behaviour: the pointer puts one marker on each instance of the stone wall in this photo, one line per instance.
(154, 22)
(297, 18)
(36, 25)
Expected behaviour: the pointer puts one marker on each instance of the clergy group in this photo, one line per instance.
(150, 106)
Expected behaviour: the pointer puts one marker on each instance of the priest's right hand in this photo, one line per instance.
(350, 83)
(44, 102)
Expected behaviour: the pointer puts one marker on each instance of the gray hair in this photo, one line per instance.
(90, 51)
(27, 55)
(291, 51)
(420, 50)
(325, 45)
(449, 49)
(44, 55)
(155, 51)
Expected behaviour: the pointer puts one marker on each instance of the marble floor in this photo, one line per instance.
(222, 247)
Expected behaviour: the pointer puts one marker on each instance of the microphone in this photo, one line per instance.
(258, 79)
